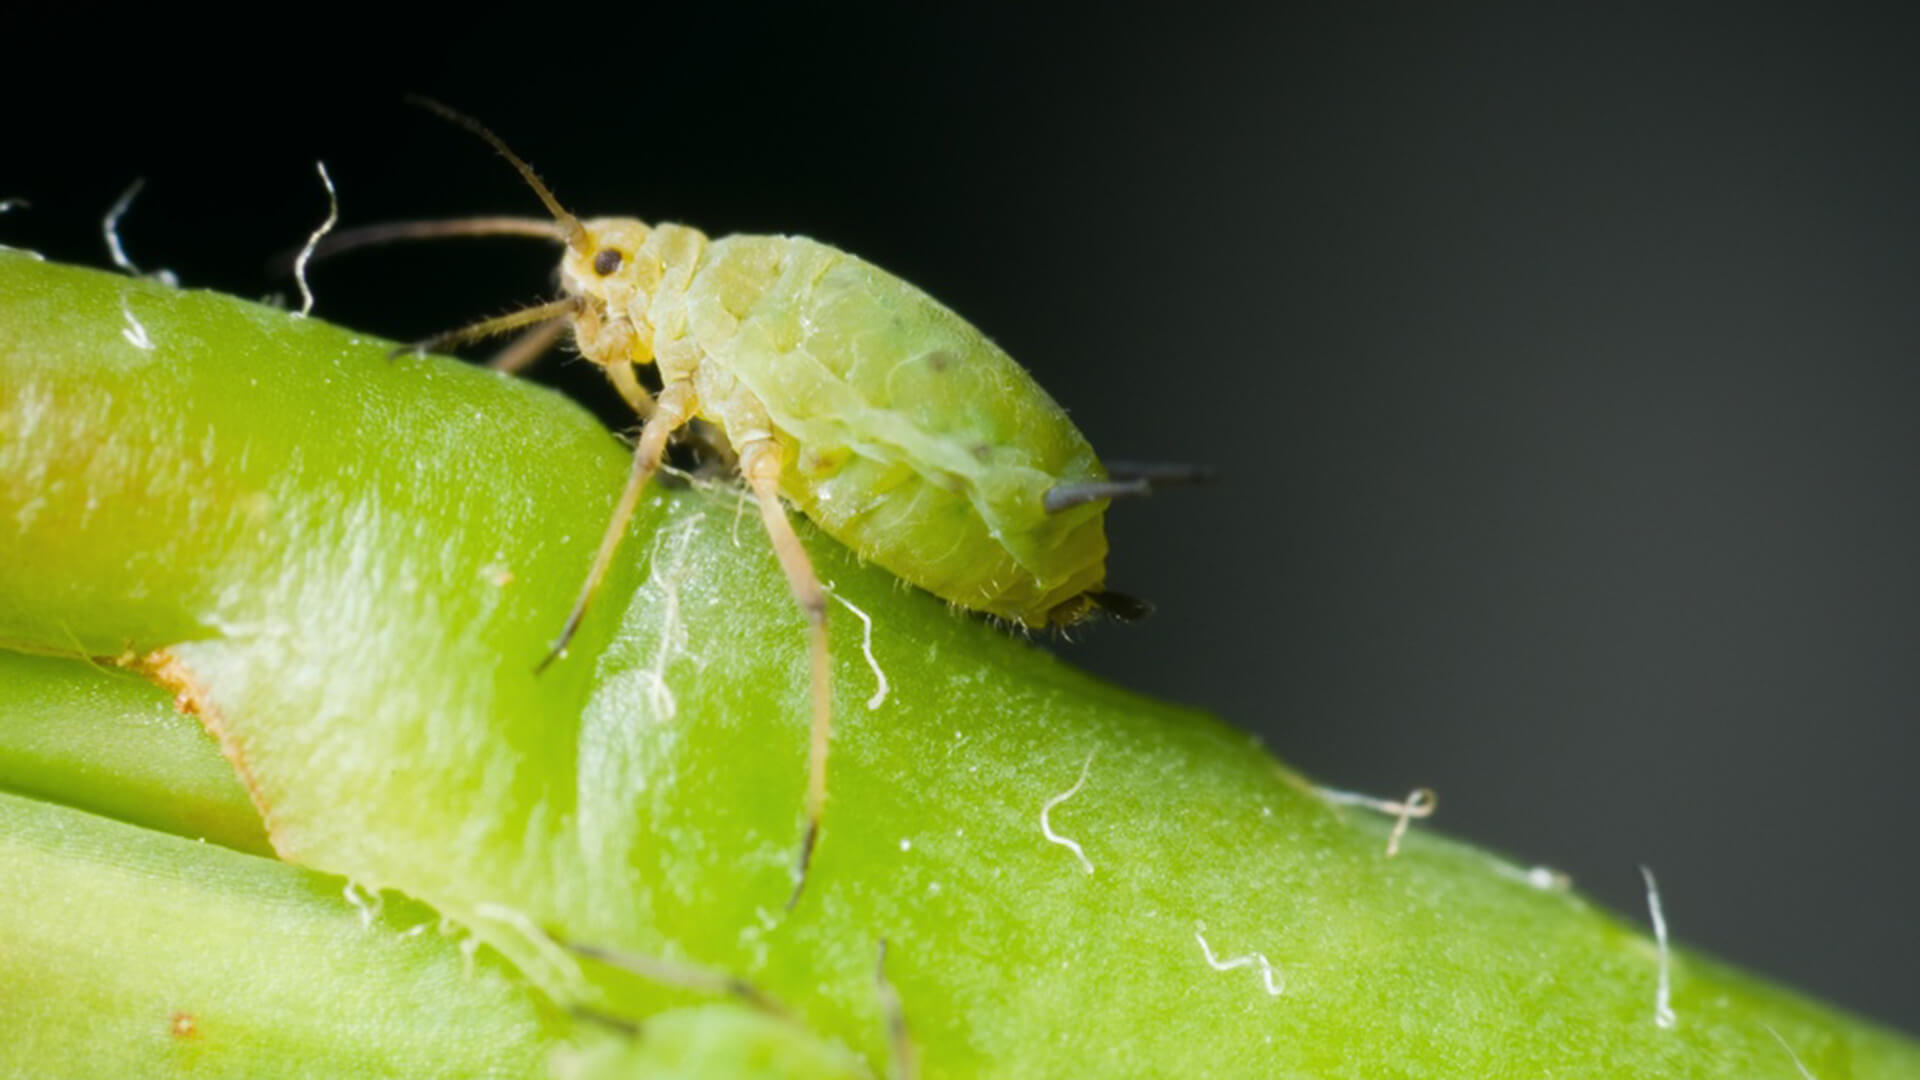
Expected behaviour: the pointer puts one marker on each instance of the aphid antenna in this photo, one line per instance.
(574, 233)
(564, 228)
(387, 232)
(341, 241)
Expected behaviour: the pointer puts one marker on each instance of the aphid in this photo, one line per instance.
(888, 420)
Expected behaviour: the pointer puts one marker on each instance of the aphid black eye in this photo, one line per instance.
(607, 261)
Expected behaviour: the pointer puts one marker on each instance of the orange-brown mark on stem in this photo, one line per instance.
(166, 670)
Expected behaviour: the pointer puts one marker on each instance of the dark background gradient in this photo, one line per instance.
(1564, 368)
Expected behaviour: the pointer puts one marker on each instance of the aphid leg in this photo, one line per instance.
(617, 1024)
(528, 347)
(675, 405)
(905, 1064)
(499, 324)
(760, 464)
(629, 386)
(684, 976)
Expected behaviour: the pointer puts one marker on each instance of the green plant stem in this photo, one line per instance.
(130, 953)
(112, 744)
(348, 566)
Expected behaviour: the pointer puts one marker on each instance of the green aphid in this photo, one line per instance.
(892, 423)
(900, 430)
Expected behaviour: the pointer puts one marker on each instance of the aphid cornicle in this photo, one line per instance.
(888, 420)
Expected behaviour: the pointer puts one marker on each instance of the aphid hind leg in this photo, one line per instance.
(684, 976)
(760, 465)
(672, 410)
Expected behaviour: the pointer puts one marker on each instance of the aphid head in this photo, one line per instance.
(612, 263)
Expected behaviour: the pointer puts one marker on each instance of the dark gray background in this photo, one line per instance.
(1562, 366)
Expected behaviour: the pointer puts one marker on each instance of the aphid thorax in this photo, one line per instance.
(624, 270)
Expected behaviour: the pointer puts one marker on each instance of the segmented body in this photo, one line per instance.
(903, 432)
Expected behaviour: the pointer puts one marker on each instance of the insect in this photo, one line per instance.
(889, 421)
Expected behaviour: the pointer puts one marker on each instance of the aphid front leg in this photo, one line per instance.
(486, 328)
(760, 465)
(528, 347)
(676, 404)
(625, 381)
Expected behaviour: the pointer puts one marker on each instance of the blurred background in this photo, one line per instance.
(1563, 369)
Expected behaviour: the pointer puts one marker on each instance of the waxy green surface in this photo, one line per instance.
(349, 565)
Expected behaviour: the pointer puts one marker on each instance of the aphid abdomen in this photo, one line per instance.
(907, 434)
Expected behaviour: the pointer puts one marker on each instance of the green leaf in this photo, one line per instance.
(347, 566)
